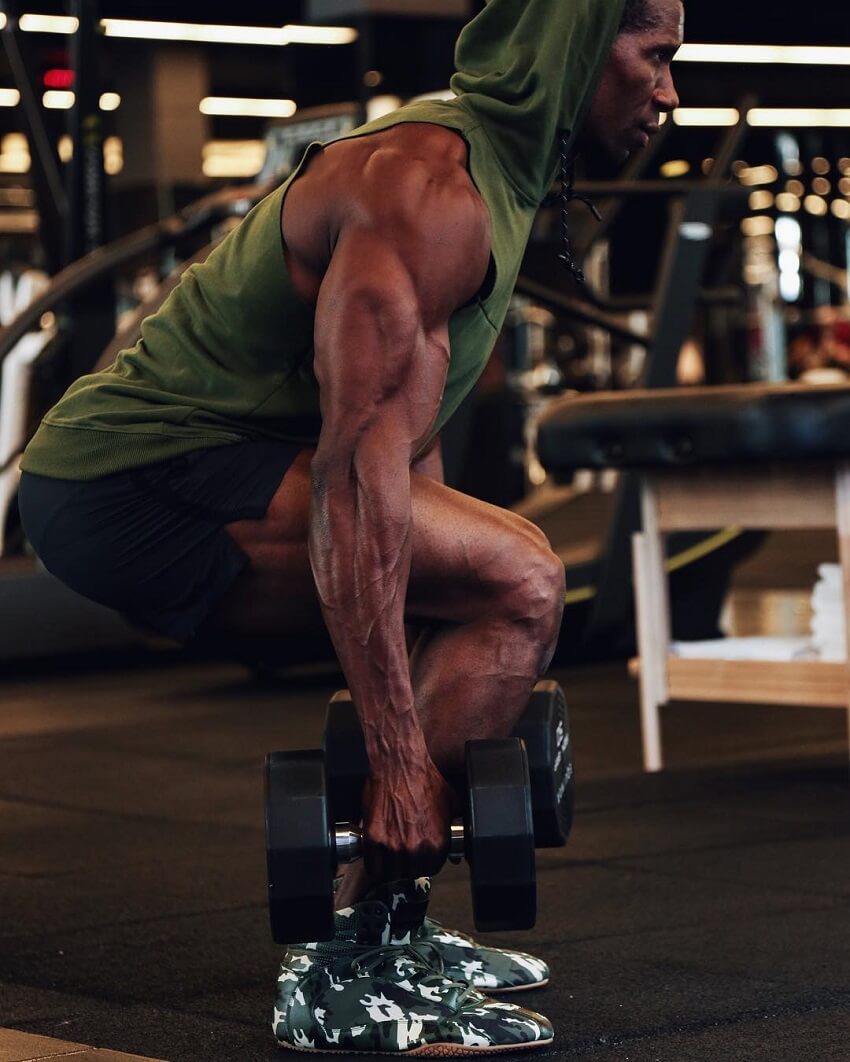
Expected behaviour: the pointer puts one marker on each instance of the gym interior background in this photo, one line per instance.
(698, 910)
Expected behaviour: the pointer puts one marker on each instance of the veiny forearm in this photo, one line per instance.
(360, 550)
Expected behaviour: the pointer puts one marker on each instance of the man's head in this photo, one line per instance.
(636, 85)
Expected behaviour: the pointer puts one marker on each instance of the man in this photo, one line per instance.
(265, 462)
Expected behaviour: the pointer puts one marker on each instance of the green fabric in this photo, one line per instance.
(229, 355)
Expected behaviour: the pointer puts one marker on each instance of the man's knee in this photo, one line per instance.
(534, 592)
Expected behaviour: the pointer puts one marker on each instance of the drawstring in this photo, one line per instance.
(567, 195)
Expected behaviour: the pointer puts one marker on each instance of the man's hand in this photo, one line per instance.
(407, 815)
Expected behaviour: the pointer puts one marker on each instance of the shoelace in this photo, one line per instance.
(369, 960)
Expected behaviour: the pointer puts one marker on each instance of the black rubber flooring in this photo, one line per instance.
(699, 914)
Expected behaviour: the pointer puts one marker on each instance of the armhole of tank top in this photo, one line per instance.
(489, 284)
(309, 152)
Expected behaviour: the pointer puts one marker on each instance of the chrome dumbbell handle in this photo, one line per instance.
(348, 842)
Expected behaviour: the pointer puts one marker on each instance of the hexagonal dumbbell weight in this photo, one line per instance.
(544, 727)
(304, 846)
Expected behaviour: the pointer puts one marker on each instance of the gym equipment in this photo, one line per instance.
(544, 727)
(304, 846)
(771, 457)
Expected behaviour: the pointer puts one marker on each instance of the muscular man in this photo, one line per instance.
(265, 463)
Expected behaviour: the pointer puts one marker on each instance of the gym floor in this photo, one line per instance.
(697, 914)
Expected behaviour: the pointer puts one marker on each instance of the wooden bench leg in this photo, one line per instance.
(652, 605)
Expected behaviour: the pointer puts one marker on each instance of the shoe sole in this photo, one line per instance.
(516, 988)
(430, 1050)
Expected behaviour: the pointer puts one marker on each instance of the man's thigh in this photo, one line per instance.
(463, 549)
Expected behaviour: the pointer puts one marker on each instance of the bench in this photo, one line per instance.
(768, 457)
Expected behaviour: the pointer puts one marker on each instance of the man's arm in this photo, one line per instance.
(381, 358)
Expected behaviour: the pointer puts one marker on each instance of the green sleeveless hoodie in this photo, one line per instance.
(229, 356)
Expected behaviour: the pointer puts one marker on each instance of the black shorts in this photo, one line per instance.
(151, 543)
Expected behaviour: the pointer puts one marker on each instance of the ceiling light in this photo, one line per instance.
(761, 200)
(675, 168)
(110, 101)
(58, 100)
(788, 203)
(319, 34)
(814, 204)
(242, 107)
(753, 175)
(48, 23)
(764, 53)
(233, 158)
(761, 226)
(705, 116)
(224, 34)
(811, 117)
(9, 97)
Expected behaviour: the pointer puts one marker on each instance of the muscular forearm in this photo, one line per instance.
(360, 547)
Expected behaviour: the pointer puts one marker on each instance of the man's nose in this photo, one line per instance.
(666, 99)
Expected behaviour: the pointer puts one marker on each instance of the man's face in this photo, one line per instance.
(636, 85)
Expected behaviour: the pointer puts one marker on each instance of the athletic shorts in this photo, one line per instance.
(150, 543)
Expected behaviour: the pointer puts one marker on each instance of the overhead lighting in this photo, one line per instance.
(9, 97)
(810, 117)
(706, 116)
(223, 34)
(243, 107)
(14, 154)
(804, 55)
(319, 34)
(61, 100)
(841, 208)
(761, 200)
(675, 168)
(48, 23)
(233, 158)
(2, 20)
(766, 117)
(58, 100)
(754, 175)
(760, 226)
(817, 205)
(788, 203)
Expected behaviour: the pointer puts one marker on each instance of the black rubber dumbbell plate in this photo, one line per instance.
(499, 835)
(299, 851)
(545, 729)
(346, 762)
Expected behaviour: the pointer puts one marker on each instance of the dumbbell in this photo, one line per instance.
(544, 727)
(304, 846)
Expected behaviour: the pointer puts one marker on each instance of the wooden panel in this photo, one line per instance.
(799, 682)
(768, 496)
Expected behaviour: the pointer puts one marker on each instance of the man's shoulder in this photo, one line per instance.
(412, 176)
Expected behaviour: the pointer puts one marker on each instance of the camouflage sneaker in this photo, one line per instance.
(463, 958)
(360, 993)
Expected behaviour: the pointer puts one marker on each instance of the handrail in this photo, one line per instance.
(89, 269)
(581, 311)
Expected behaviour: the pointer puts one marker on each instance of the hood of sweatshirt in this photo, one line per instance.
(527, 70)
